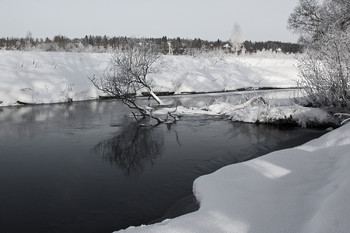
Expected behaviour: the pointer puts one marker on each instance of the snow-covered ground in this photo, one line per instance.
(305, 189)
(260, 106)
(49, 77)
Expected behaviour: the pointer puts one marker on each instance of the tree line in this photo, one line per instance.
(176, 46)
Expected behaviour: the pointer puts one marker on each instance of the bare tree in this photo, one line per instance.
(312, 19)
(336, 14)
(306, 19)
(128, 73)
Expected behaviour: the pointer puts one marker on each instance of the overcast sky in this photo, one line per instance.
(260, 20)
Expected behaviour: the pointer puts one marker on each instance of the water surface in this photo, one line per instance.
(87, 167)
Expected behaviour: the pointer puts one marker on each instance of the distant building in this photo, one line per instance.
(227, 48)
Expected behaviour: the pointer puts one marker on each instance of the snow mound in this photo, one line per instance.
(304, 189)
(263, 107)
(257, 110)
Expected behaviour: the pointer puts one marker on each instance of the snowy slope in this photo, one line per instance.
(46, 77)
(301, 190)
(205, 73)
(49, 77)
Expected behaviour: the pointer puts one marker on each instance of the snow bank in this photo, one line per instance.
(255, 110)
(49, 77)
(205, 73)
(304, 189)
(261, 106)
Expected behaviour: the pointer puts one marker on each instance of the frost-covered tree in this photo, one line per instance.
(324, 68)
(306, 19)
(312, 19)
(29, 41)
(236, 38)
(325, 71)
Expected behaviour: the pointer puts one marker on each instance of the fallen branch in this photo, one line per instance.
(343, 114)
(170, 114)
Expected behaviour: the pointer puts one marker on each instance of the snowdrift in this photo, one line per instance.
(304, 189)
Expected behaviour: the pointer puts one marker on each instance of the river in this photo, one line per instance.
(87, 167)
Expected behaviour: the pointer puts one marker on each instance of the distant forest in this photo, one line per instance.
(176, 46)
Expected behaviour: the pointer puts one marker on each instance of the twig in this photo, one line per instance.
(343, 114)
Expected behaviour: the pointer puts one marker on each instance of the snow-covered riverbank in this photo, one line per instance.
(304, 189)
(49, 77)
(273, 107)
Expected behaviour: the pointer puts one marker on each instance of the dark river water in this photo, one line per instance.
(87, 167)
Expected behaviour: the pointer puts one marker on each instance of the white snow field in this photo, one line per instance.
(48, 77)
(305, 189)
(51, 77)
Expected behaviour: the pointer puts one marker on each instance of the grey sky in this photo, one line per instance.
(260, 20)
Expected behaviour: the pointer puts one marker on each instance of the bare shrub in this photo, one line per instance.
(325, 71)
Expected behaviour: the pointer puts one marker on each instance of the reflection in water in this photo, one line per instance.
(132, 149)
(30, 121)
(47, 177)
